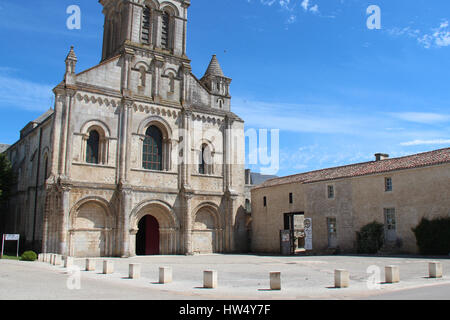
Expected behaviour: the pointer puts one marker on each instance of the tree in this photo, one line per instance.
(433, 236)
(370, 238)
(6, 179)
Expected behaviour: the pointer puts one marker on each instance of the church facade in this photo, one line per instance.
(138, 156)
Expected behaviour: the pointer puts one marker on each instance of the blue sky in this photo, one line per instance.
(337, 91)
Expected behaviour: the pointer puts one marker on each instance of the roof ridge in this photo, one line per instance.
(286, 179)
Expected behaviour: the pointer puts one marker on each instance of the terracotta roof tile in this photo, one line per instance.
(360, 169)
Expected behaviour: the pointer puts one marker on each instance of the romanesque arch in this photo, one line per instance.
(166, 220)
(207, 230)
(91, 228)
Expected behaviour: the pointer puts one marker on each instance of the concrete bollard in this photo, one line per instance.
(46, 257)
(52, 259)
(90, 264)
(165, 275)
(57, 260)
(108, 267)
(40, 257)
(210, 279)
(275, 281)
(68, 262)
(435, 269)
(341, 278)
(134, 271)
(392, 274)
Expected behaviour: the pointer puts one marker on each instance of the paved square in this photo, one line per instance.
(240, 277)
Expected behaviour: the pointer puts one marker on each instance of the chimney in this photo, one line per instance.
(248, 176)
(381, 156)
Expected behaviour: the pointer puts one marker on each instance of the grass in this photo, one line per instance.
(11, 257)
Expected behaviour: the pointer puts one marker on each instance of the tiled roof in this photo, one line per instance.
(360, 169)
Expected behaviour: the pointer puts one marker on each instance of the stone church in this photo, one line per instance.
(138, 155)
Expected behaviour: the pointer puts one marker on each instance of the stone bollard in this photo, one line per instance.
(90, 264)
(165, 275)
(341, 278)
(108, 267)
(392, 274)
(210, 279)
(52, 259)
(57, 260)
(275, 281)
(40, 257)
(435, 269)
(68, 262)
(135, 271)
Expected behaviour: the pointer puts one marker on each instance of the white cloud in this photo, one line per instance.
(426, 142)
(305, 4)
(301, 118)
(290, 6)
(314, 8)
(422, 117)
(438, 37)
(24, 94)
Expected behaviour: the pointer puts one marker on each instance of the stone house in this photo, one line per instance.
(396, 192)
(138, 156)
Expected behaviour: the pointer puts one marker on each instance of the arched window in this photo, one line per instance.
(92, 147)
(146, 25)
(202, 164)
(152, 150)
(165, 31)
(205, 165)
(171, 83)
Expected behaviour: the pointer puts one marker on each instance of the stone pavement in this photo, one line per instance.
(240, 277)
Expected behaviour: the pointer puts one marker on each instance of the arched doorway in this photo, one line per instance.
(148, 236)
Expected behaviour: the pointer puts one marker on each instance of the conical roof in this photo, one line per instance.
(71, 55)
(214, 68)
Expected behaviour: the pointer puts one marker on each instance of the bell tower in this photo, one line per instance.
(152, 25)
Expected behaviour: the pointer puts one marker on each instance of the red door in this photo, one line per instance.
(151, 236)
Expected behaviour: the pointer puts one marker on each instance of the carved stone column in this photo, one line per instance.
(68, 132)
(184, 96)
(188, 224)
(125, 227)
(231, 200)
(56, 132)
(124, 139)
(185, 139)
(158, 64)
(64, 224)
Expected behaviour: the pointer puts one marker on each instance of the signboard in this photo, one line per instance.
(10, 237)
(298, 221)
(308, 233)
(285, 238)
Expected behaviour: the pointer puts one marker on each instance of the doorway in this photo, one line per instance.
(147, 238)
(332, 232)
